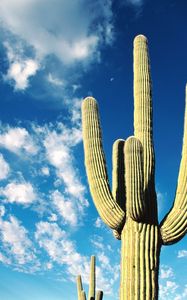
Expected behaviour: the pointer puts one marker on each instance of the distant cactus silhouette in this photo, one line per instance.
(131, 208)
(91, 294)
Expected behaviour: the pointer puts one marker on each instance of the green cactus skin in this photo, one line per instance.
(130, 210)
(91, 294)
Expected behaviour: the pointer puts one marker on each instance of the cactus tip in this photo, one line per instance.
(89, 98)
(89, 101)
(140, 38)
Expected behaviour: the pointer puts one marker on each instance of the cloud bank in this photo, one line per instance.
(72, 31)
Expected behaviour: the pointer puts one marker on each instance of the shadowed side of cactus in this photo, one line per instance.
(130, 208)
(92, 284)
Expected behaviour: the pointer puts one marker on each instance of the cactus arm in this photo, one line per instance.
(174, 225)
(91, 294)
(83, 295)
(108, 208)
(135, 207)
(143, 120)
(79, 287)
(118, 173)
(99, 295)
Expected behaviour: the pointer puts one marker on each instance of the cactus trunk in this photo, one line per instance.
(140, 251)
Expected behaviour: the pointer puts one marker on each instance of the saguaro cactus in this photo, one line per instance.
(91, 294)
(130, 209)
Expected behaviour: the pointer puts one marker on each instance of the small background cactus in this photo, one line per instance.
(92, 295)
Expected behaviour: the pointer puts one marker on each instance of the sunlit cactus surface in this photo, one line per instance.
(130, 208)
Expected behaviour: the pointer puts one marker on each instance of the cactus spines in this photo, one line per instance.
(131, 208)
(92, 284)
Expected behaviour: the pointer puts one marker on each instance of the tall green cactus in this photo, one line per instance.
(131, 208)
(91, 294)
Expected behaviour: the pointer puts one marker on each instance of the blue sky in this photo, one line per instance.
(53, 54)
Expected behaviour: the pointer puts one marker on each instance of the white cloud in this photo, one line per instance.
(20, 68)
(62, 45)
(98, 223)
(54, 241)
(97, 242)
(53, 218)
(58, 145)
(84, 47)
(15, 241)
(182, 253)
(17, 139)
(68, 30)
(65, 208)
(4, 168)
(4, 259)
(22, 193)
(76, 87)
(166, 272)
(52, 144)
(74, 106)
(135, 3)
(45, 171)
(63, 251)
(167, 290)
(55, 80)
(2, 210)
(104, 260)
(55, 158)
(49, 266)
(182, 295)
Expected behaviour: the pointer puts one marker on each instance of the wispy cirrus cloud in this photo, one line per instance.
(136, 3)
(58, 144)
(98, 223)
(16, 247)
(49, 151)
(4, 168)
(166, 272)
(168, 290)
(54, 241)
(46, 168)
(182, 253)
(182, 295)
(65, 207)
(54, 80)
(169, 286)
